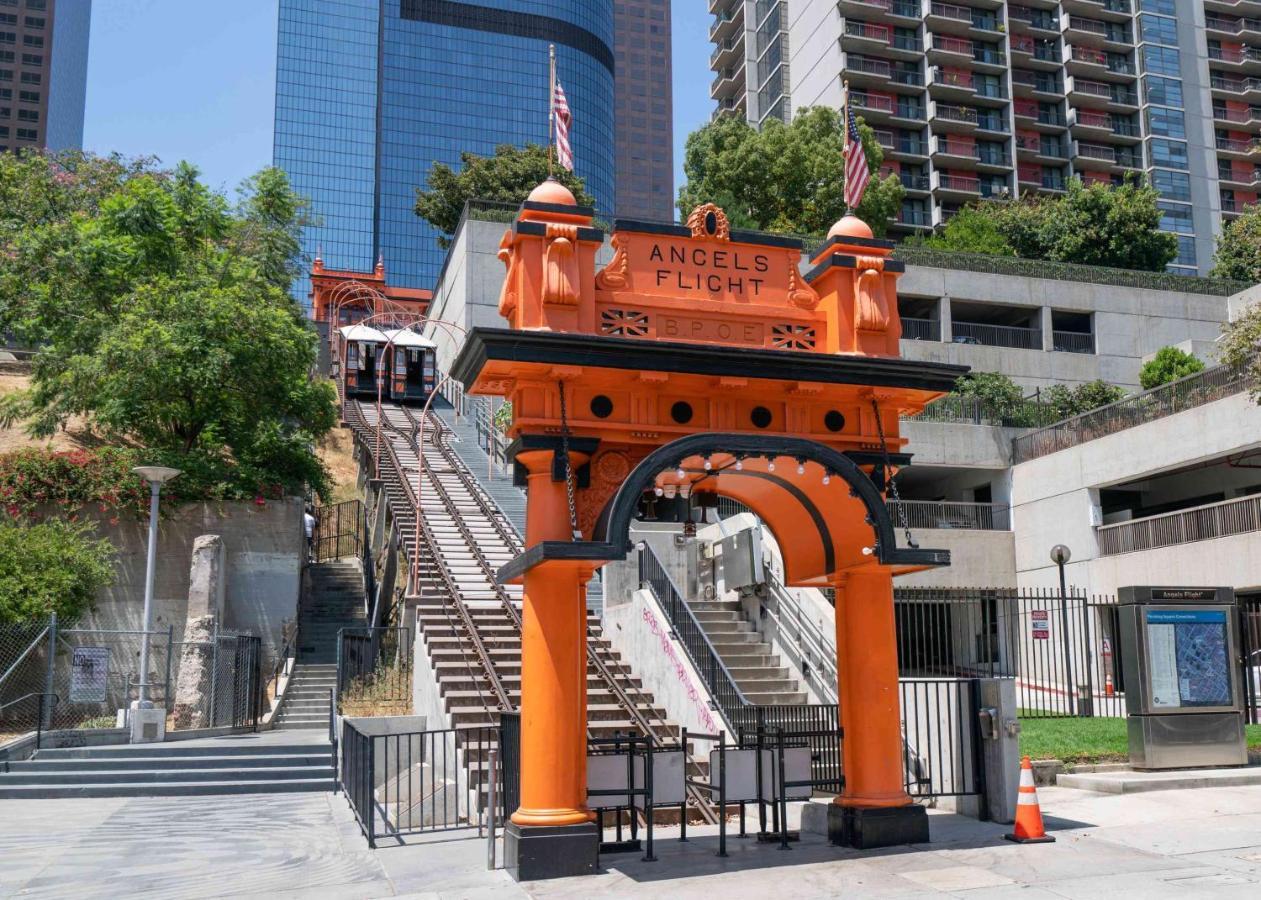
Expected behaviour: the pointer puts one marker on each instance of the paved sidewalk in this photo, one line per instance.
(1185, 844)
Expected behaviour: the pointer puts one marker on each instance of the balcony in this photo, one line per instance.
(1040, 19)
(1234, 56)
(1072, 342)
(920, 329)
(1092, 31)
(871, 102)
(949, 514)
(1036, 82)
(950, 183)
(997, 335)
(856, 31)
(1241, 515)
(727, 52)
(727, 82)
(1240, 116)
(1227, 25)
(950, 82)
(1099, 93)
(914, 218)
(944, 44)
(959, 118)
(1238, 147)
(726, 23)
(1235, 86)
(913, 182)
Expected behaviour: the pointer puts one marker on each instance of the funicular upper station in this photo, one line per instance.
(699, 366)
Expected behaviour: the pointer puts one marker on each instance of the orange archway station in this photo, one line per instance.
(700, 360)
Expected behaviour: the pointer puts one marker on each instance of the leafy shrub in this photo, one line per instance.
(1169, 364)
(55, 566)
(1066, 402)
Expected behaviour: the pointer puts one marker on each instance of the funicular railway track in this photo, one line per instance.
(470, 622)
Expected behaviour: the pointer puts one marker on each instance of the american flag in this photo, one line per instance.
(564, 118)
(856, 174)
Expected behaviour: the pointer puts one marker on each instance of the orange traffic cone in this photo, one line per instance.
(1028, 828)
(1108, 687)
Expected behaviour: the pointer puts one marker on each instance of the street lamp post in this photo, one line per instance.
(156, 476)
(1060, 555)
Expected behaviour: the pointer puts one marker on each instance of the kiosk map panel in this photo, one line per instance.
(1189, 659)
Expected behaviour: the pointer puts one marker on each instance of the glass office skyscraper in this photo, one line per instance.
(369, 93)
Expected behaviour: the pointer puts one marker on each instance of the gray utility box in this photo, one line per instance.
(1179, 653)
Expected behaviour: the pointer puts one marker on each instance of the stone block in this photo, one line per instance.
(207, 577)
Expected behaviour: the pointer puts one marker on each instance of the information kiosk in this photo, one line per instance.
(1179, 651)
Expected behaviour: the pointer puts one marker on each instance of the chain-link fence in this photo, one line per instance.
(55, 677)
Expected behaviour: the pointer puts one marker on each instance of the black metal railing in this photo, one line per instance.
(338, 531)
(959, 409)
(1137, 409)
(920, 329)
(419, 782)
(1072, 342)
(811, 720)
(996, 335)
(942, 753)
(1062, 651)
(374, 671)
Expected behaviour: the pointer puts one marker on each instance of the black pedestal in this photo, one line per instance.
(866, 829)
(533, 853)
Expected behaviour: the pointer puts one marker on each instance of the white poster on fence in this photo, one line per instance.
(89, 674)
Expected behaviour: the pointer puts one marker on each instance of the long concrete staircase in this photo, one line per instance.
(333, 600)
(755, 667)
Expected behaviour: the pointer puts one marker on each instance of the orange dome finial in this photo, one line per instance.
(553, 192)
(852, 227)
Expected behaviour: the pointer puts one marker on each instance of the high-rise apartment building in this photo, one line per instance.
(370, 93)
(986, 98)
(645, 129)
(43, 73)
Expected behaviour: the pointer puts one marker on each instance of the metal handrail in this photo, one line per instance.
(791, 620)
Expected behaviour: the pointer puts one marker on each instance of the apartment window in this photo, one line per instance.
(1175, 218)
(28, 115)
(5, 112)
(6, 93)
(35, 21)
(8, 19)
(1172, 185)
(988, 86)
(27, 134)
(1170, 154)
(32, 78)
(1159, 30)
(1164, 91)
(37, 4)
(32, 40)
(1166, 122)
(1163, 7)
(1186, 250)
(1160, 60)
(8, 37)
(4, 131)
(7, 56)
(32, 59)
(6, 74)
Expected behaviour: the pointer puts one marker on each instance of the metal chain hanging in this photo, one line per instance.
(569, 471)
(891, 478)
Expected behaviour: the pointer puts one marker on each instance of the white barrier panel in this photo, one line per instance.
(742, 774)
(608, 773)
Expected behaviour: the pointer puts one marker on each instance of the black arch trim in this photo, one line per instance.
(612, 531)
(516, 24)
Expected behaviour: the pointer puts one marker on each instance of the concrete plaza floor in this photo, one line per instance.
(1182, 843)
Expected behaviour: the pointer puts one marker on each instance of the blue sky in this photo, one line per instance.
(195, 81)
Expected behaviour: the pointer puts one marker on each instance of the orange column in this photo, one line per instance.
(553, 663)
(867, 669)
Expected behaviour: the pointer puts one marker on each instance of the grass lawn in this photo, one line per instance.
(1087, 740)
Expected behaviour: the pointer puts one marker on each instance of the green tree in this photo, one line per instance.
(1240, 343)
(162, 316)
(784, 177)
(1169, 364)
(1097, 224)
(1066, 402)
(506, 177)
(54, 566)
(1238, 254)
(996, 392)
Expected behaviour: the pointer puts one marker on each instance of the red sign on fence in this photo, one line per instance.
(1040, 622)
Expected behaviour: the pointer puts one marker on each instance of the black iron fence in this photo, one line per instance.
(1250, 653)
(1062, 651)
(940, 744)
(1137, 409)
(339, 531)
(374, 671)
(420, 782)
(818, 722)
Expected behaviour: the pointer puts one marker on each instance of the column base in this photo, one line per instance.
(534, 853)
(866, 828)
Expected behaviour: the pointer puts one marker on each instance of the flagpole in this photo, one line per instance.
(845, 152)
(551, 106)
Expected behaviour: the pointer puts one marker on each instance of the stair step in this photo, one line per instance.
(166, 789)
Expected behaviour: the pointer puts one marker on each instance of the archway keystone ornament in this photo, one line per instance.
(701, 360)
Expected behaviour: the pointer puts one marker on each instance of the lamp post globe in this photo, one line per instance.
(1060, 554)
(156, 476)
